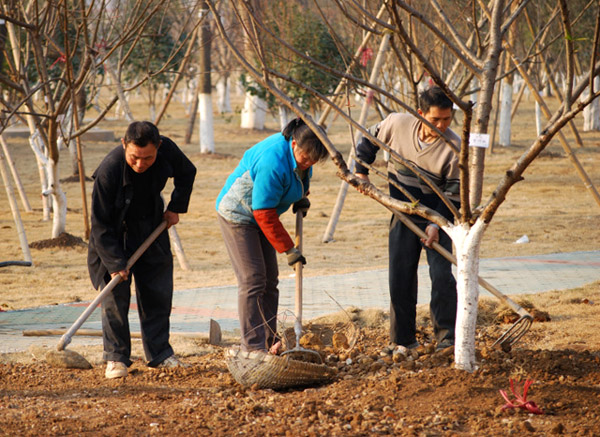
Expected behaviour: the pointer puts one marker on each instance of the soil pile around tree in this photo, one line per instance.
(63, 241)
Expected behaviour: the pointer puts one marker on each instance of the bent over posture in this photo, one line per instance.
(126, 208)
(272, 175)
(421, 145)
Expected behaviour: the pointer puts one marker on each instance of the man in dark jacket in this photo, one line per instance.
(126, 208)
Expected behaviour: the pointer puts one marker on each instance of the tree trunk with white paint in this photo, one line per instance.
(591, 113)
(467, 243)
(123, 102)
(538, 118)
(254, 112)
(207, 140)
(37, 145)
(505, 110)
(59, 200)
(284, 116)
(223, 94)
(206, 126)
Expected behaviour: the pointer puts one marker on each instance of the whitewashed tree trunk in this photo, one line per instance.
(207, 140)
(35, 140)
(505, 111)
(36, 144)
(206, 125)
(467, 243)
(123, 102)
(223, 94)
(253, 113)
(538, 119)
(284, 116)
(591, 113)
(67, 128)
(152, 108)
(547, 88)
(59, 200)
(239, 88)
(190, 96)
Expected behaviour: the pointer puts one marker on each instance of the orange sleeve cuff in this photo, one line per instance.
(271, 226)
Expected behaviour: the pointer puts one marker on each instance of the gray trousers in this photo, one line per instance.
(254, 262)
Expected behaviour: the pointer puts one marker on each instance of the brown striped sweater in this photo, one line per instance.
(437, 160)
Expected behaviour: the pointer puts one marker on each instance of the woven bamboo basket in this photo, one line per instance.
(262, 370)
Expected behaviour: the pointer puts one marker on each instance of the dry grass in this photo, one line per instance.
(551, 206)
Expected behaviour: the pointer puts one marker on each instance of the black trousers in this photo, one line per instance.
(404, 253)
(153, 278)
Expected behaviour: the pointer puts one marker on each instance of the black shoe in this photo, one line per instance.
(444, 344)
(414, 345)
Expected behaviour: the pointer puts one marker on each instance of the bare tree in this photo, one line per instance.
(475, 33)
(55, 50)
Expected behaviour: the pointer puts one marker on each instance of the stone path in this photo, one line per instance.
(192, 309)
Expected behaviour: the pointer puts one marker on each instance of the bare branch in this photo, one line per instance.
(462, 48)
(568, 33)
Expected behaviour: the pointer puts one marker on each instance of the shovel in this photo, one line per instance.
(298, 352)
(519, 328)
(66, 338)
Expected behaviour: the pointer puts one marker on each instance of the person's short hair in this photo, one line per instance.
(142, 133)
(434, 96)
(306, 139)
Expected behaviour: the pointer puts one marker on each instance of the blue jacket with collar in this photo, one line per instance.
(266, 178)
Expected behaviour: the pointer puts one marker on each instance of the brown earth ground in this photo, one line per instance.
(373, 394)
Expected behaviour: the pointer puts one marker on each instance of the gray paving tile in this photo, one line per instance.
(192, 309)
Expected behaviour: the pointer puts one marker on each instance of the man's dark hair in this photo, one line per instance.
(434, 96)
(142, 133)
(306, 139)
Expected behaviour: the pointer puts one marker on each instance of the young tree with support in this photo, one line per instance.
(490, 24)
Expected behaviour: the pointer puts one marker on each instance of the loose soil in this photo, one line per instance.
(373, 394)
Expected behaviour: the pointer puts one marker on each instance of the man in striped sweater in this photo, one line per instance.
(422, 146)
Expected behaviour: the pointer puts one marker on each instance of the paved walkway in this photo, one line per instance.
(192, 309)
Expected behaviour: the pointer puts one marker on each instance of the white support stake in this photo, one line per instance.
(337, 209)
(15, 209)
(15, 176)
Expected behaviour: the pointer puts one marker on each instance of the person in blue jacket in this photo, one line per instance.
(272, 175)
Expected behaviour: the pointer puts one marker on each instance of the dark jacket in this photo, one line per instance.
(113, 191)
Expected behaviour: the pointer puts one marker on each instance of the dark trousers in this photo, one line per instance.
(404, 253)
(153, 277)
(254, 262)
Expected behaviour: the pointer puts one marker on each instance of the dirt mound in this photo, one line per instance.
(422, 395)
(74, 178)
(64, 241)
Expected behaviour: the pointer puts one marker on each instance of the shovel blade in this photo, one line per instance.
(214, 333)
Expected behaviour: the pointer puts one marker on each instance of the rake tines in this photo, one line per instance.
(516, 331)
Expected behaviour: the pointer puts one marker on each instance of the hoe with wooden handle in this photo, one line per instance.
(298, 352)
(61, 358)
